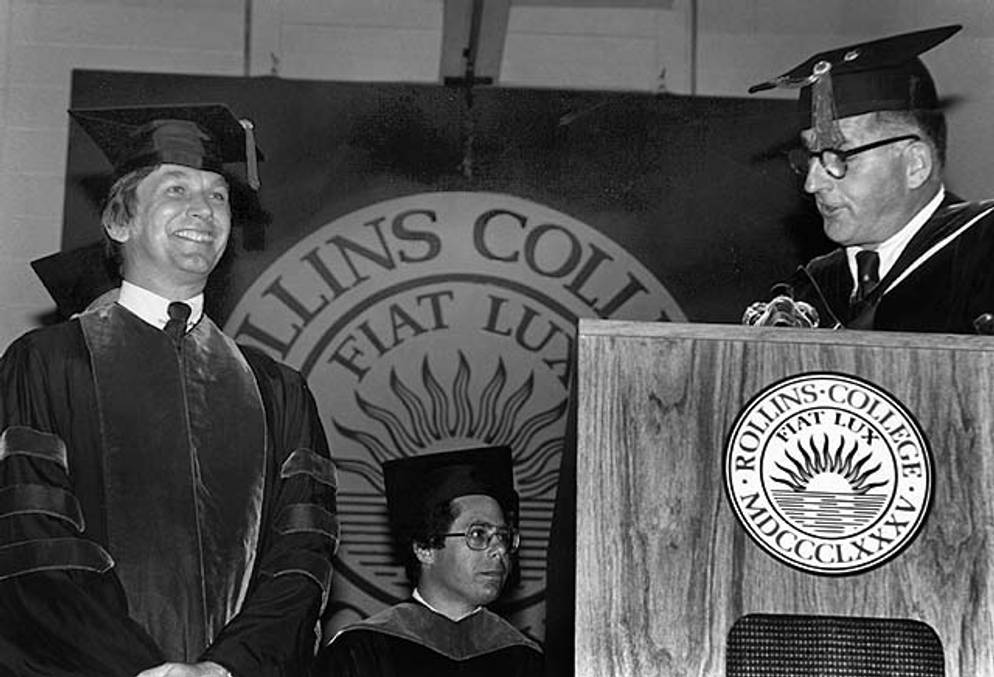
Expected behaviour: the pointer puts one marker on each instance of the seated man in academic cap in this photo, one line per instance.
(167, 498)
(912, 256)
(453, 515)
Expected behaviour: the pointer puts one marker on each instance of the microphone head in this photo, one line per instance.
(984, 324)
(782, 289)
(782, 311)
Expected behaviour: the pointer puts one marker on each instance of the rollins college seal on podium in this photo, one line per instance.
(829, 473)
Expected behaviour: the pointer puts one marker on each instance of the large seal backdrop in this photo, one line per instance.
(423, 262)
(437, 321)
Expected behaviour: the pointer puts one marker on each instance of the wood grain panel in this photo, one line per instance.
(664, 569)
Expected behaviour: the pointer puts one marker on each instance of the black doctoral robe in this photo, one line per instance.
(941, 282)
(158, 504)
(411, 640)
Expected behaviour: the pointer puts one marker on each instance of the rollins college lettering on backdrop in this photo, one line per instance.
(433, 322)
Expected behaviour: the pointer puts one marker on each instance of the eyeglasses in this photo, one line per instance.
(480, 536)
(833, 161)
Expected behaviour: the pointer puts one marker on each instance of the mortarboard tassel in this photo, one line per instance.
(251, 161)
(823, 114)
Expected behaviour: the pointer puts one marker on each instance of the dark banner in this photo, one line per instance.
(422, 254)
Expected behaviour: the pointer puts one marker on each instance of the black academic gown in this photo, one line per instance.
(950, 283)
(158, 504)
(411, 640)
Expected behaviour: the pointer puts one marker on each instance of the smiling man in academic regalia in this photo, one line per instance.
(912, 256)
(454, 517)
(167, 498)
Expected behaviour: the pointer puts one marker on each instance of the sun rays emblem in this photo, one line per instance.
(828, 473)
(429, 414)
(818, 467)
(825, 477)
(438, 417)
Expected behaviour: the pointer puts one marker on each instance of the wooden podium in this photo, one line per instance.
(664, 566)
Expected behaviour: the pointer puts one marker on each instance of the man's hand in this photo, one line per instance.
(206, 669)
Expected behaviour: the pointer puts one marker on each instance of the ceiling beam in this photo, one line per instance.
(473, 35)
(610, 4)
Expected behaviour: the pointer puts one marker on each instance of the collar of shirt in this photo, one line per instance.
(417, 596)
(152, 308)
(891, 248)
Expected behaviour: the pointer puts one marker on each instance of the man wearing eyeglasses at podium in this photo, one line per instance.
(453, 515)
(912, 256)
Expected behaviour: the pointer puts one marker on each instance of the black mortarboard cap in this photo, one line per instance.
(884, 74)
(416, 484)
(202, 136)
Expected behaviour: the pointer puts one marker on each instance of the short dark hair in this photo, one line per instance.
(931, 124)
(437, 520)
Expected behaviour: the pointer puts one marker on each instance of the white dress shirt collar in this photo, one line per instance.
(417, 595)
(151, 307)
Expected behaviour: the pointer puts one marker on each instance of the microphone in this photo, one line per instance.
(984, 324)
(781, 311)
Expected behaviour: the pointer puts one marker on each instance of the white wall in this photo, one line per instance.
(603, 44)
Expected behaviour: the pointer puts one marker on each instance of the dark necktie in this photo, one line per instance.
(862, 308)
(179, 313)
(867, 273)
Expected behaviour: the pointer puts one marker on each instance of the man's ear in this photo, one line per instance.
(118, 232)
(920, 163)
(424, 554)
